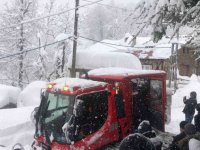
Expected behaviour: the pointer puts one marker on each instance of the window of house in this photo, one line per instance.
(187, 51)
(183, 50)
(147, 67)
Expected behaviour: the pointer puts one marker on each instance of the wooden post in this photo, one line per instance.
(73, 70)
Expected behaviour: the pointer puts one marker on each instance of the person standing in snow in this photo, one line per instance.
(136, 141)
(190, 105)
(178, 137)
(191, 133)
(197, 118)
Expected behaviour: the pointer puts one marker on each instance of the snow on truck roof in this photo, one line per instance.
(76, 82)
(122, 71)
(93, 60)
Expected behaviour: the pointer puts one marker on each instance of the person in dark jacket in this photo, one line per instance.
(191, 133)
(145, 129)
(190, 105)
(136, 141)
(178, 137)
(197, 118)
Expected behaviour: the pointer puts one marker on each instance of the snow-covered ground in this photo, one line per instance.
(177, 103)
(15, 124)
(15, 127)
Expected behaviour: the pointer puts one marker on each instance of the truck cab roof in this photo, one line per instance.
(121, 73)
(72, 85)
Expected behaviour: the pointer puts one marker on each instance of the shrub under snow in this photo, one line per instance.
(30, 96)
(8, 95)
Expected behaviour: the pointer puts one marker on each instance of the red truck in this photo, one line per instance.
(99, 110)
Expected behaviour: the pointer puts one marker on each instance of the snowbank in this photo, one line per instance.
(30, 96)
(15, 127)
(8, 94)
(93, 60)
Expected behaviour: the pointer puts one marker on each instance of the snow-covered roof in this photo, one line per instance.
(144, 46)
(93, 60)
(123, 45)
(76, 82)
(160, 50)
(122, 71)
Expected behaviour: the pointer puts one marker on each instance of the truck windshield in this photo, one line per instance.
(58, 111)
(58, 105)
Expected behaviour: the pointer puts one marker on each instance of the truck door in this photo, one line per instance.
(148, 101)
(156, 103)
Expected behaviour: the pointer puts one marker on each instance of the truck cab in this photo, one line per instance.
(91, 113)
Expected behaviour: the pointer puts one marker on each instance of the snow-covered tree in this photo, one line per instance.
(163, 13)
(106, 22)
(41, 62)
(19, 37)
(61, 55)
(50, 29)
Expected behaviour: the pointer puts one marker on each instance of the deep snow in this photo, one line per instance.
(31, 94)
(8, 94)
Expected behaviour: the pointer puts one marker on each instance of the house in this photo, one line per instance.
(157, 56)
(188, 58)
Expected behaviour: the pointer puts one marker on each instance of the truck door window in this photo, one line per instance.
(155, 104)
(120, 105)
(94, 114)
(140, 105)
(156, 91)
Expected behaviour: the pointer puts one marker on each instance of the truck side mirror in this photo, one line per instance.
(34, 114)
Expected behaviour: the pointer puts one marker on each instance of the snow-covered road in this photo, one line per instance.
(15, 127)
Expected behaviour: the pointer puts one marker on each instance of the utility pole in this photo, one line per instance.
(73, 69)
(174, 66)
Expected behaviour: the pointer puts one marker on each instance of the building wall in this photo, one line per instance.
(157, 64)
(186, 62)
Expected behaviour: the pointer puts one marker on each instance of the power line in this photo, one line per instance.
(106, 45)
(116, 44)
(124, 9)
(33, 49)
(103, 42)
(43, 17)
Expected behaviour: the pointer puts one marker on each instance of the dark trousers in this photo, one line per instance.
(189, 117)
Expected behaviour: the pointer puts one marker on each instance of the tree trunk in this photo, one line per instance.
(63, 60)
(21, 57)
